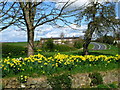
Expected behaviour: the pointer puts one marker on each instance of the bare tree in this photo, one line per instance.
(62, 35)
(29, 15)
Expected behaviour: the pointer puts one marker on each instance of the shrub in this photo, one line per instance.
(78, 44)
(102, 86)
(12, 51)
(96, 79)
(60, 81)
(113, 85)
(59, 48)
(107, 86)
(48, 45)
(106, 39)
(62, 48)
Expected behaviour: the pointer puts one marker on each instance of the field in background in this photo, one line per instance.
(19, 49)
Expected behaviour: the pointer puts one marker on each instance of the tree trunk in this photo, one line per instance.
(91, 28)
(30, 36)
(88, 37)
(85, 47)
(29, 14)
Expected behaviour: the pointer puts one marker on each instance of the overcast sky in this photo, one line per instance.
(12, 34)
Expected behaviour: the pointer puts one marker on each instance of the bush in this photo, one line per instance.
(102, 86)
(107, 86)
(49, 45)
(106, 39)
(96, 79)
(113, 85)
(60, 81)
(78, 44)
(59, 48)
(62, 48)
(13, 51)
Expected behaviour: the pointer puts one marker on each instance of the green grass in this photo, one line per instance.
(48, 54)
(99, 67)
(81, 69)
(13, 51)
(90, 46)
(23, 44)
(112, 51)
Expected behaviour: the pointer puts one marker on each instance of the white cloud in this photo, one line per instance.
(78, 3)
(72, 3)
(82, 27)
(46, 31)
(11, 35)
(55, 32)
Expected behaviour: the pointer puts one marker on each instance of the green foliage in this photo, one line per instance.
(59, 48)
(78, 44)
(118, 45)
(22, 79)
(62, 48)
(60, 81)
(106, 39)
(48, 45)
(102, 86)
(107, 86)
(12, 50)
(112, 85)
(96, 79)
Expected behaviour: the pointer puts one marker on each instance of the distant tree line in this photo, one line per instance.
(106, 39)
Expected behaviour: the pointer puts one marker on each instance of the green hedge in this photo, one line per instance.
(58, 48)
(78, 44)
(13, 51)
(62, 48)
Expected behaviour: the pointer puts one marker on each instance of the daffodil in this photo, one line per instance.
(45, 63)
(39, 50)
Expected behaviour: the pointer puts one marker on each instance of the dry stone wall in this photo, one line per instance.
(79, 80)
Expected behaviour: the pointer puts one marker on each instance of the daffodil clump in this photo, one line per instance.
(23, 78)
(43, 65)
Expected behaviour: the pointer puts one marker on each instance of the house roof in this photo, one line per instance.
(60, 38)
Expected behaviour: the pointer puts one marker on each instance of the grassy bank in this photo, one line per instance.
(41, 65)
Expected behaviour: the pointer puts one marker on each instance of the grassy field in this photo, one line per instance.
(23, 44)
(20, 48)
(112, 51)
(90, 46)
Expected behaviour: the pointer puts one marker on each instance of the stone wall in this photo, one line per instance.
(79, 80)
